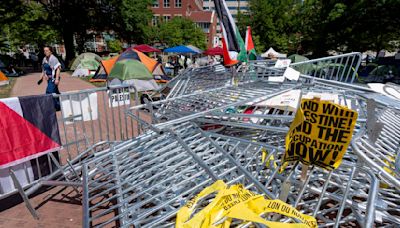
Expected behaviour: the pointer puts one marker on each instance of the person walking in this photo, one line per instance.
(51, 69)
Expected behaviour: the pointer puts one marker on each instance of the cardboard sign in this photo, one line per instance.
(291, 74)
(320, 133)
(119, 97)
(281, 63)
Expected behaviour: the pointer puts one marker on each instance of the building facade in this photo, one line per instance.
(233, 5)
(165, 10)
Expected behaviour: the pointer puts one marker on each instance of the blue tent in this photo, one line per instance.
(181, 49)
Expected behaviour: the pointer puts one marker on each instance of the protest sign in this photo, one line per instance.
(119, 97)
(320, 133)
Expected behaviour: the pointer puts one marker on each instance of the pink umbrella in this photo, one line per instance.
(145, 48)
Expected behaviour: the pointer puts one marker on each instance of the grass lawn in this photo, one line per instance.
(97, 84)
(5, 90)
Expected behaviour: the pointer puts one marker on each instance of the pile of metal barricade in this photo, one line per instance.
(200, 133)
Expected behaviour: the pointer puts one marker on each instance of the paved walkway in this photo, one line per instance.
(58, 207)
(27, 85)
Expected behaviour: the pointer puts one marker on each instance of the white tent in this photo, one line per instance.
(274, 53)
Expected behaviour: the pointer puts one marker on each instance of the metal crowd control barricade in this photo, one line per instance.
(378, 148)
(145, 183)
(321, 194)
(194, 79)
(177, 109)
(341, 68)
(89, 121)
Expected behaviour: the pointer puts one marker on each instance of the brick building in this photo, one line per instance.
(164, 10)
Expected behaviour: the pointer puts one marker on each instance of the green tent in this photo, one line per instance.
(297, 58)
(85, 57)
(90, 64)
(130, 69)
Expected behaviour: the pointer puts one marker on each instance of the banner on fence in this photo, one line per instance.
(320, 133)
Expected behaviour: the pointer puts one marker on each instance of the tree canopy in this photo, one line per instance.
(318, 26)
(179, 31)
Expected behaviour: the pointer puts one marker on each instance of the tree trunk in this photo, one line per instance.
(68, 37)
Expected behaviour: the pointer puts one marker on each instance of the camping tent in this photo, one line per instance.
(133, 72)
(104, 69)
(271, 51)
(3, 79)
(145, 48)
(214, 51)
(107, 65)
(297, 58)
(130, 69)
(181, 50)
(86, 60)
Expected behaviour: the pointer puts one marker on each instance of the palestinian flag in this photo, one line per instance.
(228, 30)
(28, 129)
(242, 56)
(250, 45)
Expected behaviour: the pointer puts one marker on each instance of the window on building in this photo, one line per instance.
(154, 20)
(167, 18)
(178, 3)
(166, 3)
(155, 3)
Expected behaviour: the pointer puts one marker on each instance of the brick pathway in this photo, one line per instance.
(58, 207)
(27, 85)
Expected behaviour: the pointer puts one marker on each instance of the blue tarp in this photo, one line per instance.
(181, 49)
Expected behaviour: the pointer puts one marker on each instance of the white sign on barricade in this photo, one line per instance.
(281, 63)
(81, 106)
(119, 97)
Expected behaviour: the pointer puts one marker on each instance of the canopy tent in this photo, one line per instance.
(214, 51)
(271, 51)
(3, 79)
(194, 48)
(181, 50)
(107, 65)
(145, 48)
(297, 58)
(86, 60)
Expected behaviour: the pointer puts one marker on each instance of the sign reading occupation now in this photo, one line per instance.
(320, 133)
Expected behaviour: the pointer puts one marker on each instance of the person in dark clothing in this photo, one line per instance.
(176, 65)
(51, 69)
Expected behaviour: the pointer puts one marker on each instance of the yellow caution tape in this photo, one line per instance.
(236, 202)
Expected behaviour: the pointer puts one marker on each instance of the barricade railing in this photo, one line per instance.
(89, 121)
(341, 68)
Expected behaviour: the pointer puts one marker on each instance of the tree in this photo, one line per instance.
(273, 22)
(128, 18)
(114, 45)
(179, 31)
(25, 23)
(318, 26)
(133, 20)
